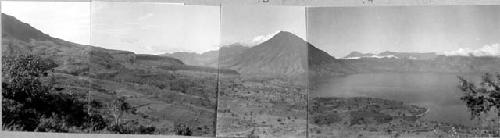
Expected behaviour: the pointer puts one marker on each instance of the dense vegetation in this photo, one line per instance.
(482, 100)
(30, 102)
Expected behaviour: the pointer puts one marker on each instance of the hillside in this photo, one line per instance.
(191, 58)
(165, 92)
(321, 63)
(209, 58)
(16, 29)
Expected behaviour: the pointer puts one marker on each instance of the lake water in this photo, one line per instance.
(438, 92)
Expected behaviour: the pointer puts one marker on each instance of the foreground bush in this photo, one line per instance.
(482, 99)
(30, 103)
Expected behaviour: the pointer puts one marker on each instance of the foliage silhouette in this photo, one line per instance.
(31, 103)
(182, 129)
(481, 99)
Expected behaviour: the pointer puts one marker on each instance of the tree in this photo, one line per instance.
(481, 99)
(29, 102)
(119, 107)
(23, 90)
(182, 129)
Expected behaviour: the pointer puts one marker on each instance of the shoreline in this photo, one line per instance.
(359, 115)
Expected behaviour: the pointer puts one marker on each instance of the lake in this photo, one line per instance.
(437, 91)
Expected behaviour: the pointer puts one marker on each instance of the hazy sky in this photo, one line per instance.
(155, 28)
(340, 31)
(245, 23)
(66, 20)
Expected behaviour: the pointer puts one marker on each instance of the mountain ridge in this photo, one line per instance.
(390, 54)
(209, 58)
(19, 38)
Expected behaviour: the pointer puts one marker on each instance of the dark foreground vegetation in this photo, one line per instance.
(31, 102)
(483, 102)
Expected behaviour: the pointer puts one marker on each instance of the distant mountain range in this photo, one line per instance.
(421, 62)
(283, 54)
(210, 58)
(192, 58)
(396, 55)
(287, 54)
(440, 64)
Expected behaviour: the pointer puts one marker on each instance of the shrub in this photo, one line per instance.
(29, 102)
(182, 129)
(481, 99)
(131, 127)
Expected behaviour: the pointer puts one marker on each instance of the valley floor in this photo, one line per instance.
(161, 99)
(261, 108)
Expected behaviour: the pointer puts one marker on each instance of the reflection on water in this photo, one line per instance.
(438, 92)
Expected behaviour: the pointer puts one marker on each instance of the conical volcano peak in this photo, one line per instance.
(285, 39)
(286, 35)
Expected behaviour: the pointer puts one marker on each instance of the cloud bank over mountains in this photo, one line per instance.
(486, 50)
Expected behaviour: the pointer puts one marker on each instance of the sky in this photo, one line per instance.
(49, 18)
(251, 24)
(155, 28)
(443, 29)
(143, 28)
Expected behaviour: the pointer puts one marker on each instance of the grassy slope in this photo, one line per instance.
(163, 97)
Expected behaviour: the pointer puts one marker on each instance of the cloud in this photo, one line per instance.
(259, 39)
(487, 50)
(262, 38)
